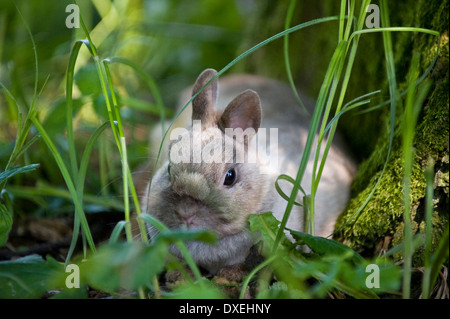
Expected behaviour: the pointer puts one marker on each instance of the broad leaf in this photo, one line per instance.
(28, 277)
(266, 225)
(324, 246)
(124, 265)
(202, 289)
(17, 170)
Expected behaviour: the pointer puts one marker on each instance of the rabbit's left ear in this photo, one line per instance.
(242, 112)
(203, 105)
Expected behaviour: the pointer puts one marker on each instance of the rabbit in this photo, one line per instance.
(220, 196)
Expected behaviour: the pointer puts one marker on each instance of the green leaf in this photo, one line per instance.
(438, 258)
(267, 226)
(5, 224)
(17, 170)
(86, 80)
(201, 289)
(280, 191)
(390, 276)
(74, 293)
(189, 235)
(28, 277)
(117, 230)
(180, 245)
(124, 265)
(278, 290)
(324, 246)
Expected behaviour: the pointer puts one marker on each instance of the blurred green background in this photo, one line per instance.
(172, 41)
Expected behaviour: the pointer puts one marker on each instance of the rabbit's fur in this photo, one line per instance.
(193, 195)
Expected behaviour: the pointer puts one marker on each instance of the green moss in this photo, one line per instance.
(368, 134)
(382, 217)
(384, 211)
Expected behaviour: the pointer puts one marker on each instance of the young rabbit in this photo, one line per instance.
(220, 195)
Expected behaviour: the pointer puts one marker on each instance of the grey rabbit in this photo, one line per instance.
(219, 195)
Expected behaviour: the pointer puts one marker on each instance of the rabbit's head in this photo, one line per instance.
(210, 181)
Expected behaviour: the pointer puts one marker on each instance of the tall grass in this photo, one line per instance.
(351, 27)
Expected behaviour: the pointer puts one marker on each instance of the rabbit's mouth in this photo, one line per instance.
(206, 219)
(229, 250)
(190, 222)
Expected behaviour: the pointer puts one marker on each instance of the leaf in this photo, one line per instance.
(86, 80)
(267, 226)
(179, 244)
(124, 265)
(324, 246)
(5, 224)
(17, 170)
(189, 235)
(28, 277)
(201, 289)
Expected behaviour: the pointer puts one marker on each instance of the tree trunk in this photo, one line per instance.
(380, 224)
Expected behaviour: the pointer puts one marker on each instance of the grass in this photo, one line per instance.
(333, 266)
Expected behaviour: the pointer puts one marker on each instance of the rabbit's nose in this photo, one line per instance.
(189, 220)
(186, 215)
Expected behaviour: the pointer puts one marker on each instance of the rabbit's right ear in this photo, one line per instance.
(203, 105)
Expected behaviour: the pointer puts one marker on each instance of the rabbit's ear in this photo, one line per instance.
(242, 112)
(203, 105)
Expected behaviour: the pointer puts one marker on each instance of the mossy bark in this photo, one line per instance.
(382, 218)
(380, 224)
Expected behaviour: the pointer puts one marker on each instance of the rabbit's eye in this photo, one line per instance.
(230, 177)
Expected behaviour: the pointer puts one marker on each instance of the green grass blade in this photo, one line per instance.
(69, 107)
(36, 64)
(180, 245)
(6, 221)
(117, 230)
(390, 71)
(341, 20)
(68, 180)
(353, 104)
(24, 127)
(127, 177)
(280, 191)
(18, 170)
(86, 155)
(150, 83)
(408, 154)
(252, 274)
(81, 175)
(43, 189)
(126, 199)
(317, 174)
(287, 63)
(90, 44)
(310, 139)
(429, 178)
(394, 29)
(115, 106)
